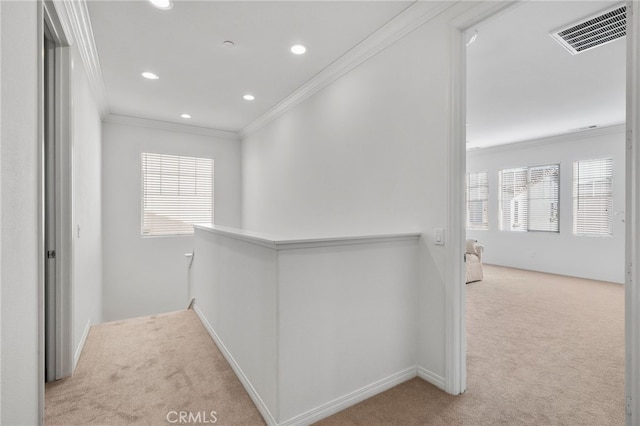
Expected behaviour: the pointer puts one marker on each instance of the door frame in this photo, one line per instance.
(632, 219)
(455, 330)
(63, 147)
(455, 311)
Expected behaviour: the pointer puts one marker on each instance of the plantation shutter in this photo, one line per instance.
(477, 200)
(177, 192)
(593, 197)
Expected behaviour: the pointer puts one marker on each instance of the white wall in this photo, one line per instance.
(365, 155)
(143, 276)
(0, 213)
(87, 206)
(21, 372)
(600, 258)
(347, 323)
(320, 312)
(237, 299)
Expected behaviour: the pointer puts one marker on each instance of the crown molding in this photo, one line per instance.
(565, 137)
(74, 18)
(58, 25)
(407, 21)
(171, 127)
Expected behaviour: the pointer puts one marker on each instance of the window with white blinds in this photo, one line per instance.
(529, 199)
(177, 192)
(478, 200)
(593, 197)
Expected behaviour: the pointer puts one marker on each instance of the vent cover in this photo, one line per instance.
(592, 32)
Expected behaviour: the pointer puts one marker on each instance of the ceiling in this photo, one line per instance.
(200, 76)
(521, 83)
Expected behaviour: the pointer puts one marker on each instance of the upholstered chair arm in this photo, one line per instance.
(479, 250)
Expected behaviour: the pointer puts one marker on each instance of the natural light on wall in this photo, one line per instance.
(177, 192)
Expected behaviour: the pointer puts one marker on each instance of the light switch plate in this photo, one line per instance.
(438, 236)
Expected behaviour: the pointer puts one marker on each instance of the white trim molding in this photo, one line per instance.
(62, 139)
(432, 378)
(352, 398)
(74, 17)
(407, 21)
(64, 146)
(632, 245)
(329, 408)
(169, 126)
(83, 340)
(564, 137)
(455, 379)
(253, 394)
(279, 243)
(455, 341)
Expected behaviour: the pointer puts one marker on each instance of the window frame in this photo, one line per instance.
(484, 226)
(608, 197)
(176, 190)
(524, 206)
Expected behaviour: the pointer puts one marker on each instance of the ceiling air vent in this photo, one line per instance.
(594, 31)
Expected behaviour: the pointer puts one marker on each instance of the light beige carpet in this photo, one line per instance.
(542, 350)
(145, 371)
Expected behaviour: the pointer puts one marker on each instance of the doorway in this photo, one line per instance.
(57, 189)
(50, 331)
(630, 212)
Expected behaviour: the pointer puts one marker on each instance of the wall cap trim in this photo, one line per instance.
(279, 243)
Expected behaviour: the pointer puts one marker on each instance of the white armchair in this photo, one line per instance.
(473, 260)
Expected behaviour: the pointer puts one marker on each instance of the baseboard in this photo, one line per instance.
(253, 394)
(432, 378)
(332, 407)
(83, 339)
(329, 408)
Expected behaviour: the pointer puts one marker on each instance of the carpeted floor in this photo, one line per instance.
(542, 350)
(145, 371)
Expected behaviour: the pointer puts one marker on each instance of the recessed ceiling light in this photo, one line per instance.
(249, 97)
(185, 116)
(162, 4)
(228, 43)
(150, 75)
(298, 49)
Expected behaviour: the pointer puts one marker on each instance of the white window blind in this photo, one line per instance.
(593, 197)
(177, 192)
(478, 200)
(529, 199)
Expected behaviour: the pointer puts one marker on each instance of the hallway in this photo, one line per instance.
(150, 371)
(542, 349)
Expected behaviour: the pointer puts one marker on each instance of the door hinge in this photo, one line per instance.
(51, 254)
(628, 406)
